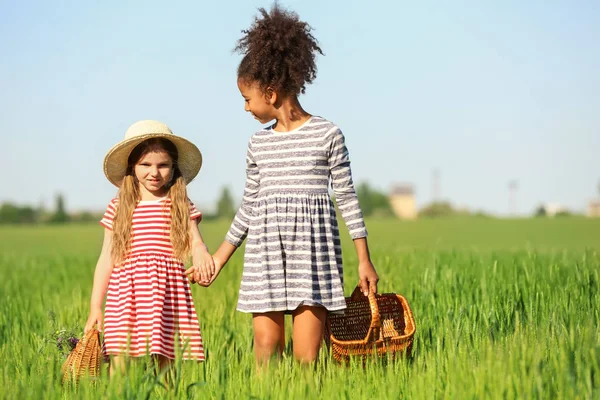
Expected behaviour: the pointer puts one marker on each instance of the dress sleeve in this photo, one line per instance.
(239, 227)
(194, 213)
(109, 215)
(343, 187)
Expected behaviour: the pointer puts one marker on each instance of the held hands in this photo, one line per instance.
(218, 267)
(203, 269)
(217, 262)
(205, 279)
(368, 277)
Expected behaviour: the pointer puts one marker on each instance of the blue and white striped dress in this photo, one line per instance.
(293, 253)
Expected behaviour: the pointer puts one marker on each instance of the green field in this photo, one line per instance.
(503, 308)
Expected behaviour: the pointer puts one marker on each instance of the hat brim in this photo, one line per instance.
(115, 161)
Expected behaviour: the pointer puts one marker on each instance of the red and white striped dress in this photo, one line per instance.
(149, 306)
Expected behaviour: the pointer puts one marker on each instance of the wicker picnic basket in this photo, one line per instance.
(377, 324)
(84, 360)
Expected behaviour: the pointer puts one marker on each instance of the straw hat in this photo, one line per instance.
(115, 161)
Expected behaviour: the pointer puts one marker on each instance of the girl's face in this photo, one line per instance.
(153, 172)
(256, 102)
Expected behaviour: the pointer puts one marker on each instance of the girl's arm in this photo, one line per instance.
(239, 227)
(203, 266)
(347, 201)
(368, 277)
(104, 268)
(221, 257)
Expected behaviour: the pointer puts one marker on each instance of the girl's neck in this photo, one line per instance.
(290, 115)
(146, 195)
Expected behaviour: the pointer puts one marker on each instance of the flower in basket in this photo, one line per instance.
(64, 339)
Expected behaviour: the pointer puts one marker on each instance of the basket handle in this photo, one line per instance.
(375, 327)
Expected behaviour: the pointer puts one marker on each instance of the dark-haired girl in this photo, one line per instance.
(293, 259)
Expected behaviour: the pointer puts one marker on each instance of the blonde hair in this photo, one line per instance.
(129, 196)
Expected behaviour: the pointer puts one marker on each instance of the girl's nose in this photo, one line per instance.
(246, 107)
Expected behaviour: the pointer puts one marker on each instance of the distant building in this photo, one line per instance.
(593, 209)
(402, 200)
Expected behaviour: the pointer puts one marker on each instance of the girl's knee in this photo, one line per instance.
(306, 355)
(267, 341)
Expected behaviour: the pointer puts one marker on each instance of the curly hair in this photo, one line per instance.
(279, 52)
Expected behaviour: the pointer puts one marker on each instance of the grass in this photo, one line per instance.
(504, 309)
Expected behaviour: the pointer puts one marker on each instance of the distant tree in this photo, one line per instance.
(9, 213)
(27, 215)
(381, 203)
(564, 213)
(225, 207)
(84, 216)
(365, 198)
(60, 215)
(540, 212)
(372, 201)
(13, 214)
(482, 214)
(438, 209)
(383, 213)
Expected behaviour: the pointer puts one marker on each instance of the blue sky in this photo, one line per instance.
(486, 92)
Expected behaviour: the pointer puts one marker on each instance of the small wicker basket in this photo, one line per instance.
(84, 360)
(377, 324)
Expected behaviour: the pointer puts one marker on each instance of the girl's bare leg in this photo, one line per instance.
(117, 365)
(163, 363)
(269, 335)
(309, 323)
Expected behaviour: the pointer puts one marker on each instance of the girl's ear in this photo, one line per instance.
(271, 95)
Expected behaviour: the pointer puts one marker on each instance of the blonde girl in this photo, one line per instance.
(150, 228)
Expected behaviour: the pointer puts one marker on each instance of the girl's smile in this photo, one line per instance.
(255, 102)
(153, 172)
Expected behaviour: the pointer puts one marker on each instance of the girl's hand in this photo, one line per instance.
(368, 277)
(203, 269)
(219, 264)
(220, 258)
(218, 267)
(94, 318)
